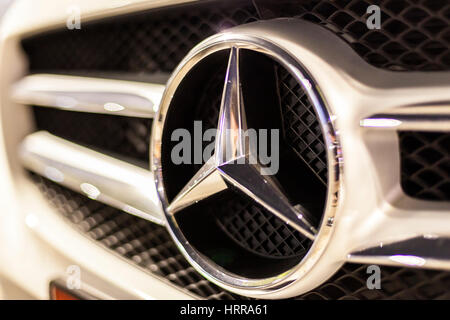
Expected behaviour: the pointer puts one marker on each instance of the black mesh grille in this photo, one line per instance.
(349, 283)
(414, 34)
(151, 42)
(150, 246)
(124, 137)
(425, 162)
(302, 128)
(257, 229)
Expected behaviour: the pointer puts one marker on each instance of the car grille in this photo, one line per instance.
(425, 159)
(349, 283)
(150, 247)
(414, 36)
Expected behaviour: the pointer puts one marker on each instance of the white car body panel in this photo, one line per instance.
(37, 244)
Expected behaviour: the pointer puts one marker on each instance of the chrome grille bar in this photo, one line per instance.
(86, 94)
(98, 176)
(416, 118)
(424, 251)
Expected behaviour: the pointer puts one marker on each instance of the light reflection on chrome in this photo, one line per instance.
(380, 123)
(408, 260)
(90, 190)
(53, 174)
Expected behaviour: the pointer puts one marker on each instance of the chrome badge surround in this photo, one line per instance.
(272, 287)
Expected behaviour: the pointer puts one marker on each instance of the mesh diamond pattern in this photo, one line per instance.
(125, 137)
(425, 161)
(302, 128)
(257, 229)
(414, 34)
(349, 283)
(145, 43)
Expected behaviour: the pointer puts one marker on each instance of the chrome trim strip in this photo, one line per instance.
(86, 94)
(98, 176)
(424, 251)
(417, 118)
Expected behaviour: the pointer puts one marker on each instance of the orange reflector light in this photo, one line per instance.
(57, 292)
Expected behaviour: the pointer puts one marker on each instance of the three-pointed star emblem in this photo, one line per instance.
(229, 164)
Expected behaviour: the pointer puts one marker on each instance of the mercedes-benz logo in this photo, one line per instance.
(233, 166)
(231, 169)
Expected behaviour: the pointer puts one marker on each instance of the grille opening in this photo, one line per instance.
(350, 283)
(413, 34)
(259, 244)
(146, 42)
(425, 165)
(126, 138)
